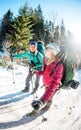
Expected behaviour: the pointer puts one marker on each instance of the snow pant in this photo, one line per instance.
(29, 78)
(49, 103)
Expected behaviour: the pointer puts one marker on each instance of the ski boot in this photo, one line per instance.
(26, 88)
(47, 106)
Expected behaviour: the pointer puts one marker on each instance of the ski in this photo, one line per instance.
(33, 114)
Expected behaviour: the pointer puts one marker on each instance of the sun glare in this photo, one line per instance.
(77, 33)
(77, 36)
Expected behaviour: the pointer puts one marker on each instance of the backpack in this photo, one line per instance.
(67, 78)
(40, 47)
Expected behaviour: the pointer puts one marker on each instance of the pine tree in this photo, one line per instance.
(46, 32)
(21, 31)
(57, 34)
(5, 26)
(49, 32)
(63, 31)
(38, 21)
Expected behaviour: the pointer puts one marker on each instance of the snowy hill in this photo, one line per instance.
(64, 114)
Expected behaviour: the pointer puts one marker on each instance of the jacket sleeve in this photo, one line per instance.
(21, 55)
(57, 76)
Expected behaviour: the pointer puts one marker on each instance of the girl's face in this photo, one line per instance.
(48, 53)
(32, 48)
(49, 56)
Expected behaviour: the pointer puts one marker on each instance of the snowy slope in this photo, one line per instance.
(64, 114)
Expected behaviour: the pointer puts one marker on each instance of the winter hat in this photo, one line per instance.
(33, 43)
(54, 47)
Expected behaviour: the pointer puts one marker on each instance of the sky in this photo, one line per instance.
(69, 10)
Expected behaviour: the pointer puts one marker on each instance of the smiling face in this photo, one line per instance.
(49, 56)
(32, 48)
(49, 53)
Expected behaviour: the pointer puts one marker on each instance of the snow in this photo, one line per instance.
(64, 114)
(77, 76)
(2, 54)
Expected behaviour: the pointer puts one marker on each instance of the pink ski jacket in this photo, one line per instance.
(51, 82)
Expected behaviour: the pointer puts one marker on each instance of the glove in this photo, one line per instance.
(11, 57)
(37, 104)
(31, 64)
(32, 71)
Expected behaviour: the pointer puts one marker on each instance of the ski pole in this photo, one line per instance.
(13, 75)
(11, 56)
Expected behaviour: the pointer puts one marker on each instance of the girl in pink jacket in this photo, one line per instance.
(52, 75)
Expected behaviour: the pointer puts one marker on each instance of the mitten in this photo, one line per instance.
(37, 104)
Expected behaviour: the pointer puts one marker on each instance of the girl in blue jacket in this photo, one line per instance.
(35, 61)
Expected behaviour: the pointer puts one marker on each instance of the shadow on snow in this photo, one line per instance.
(24, 120)
(14, 97)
